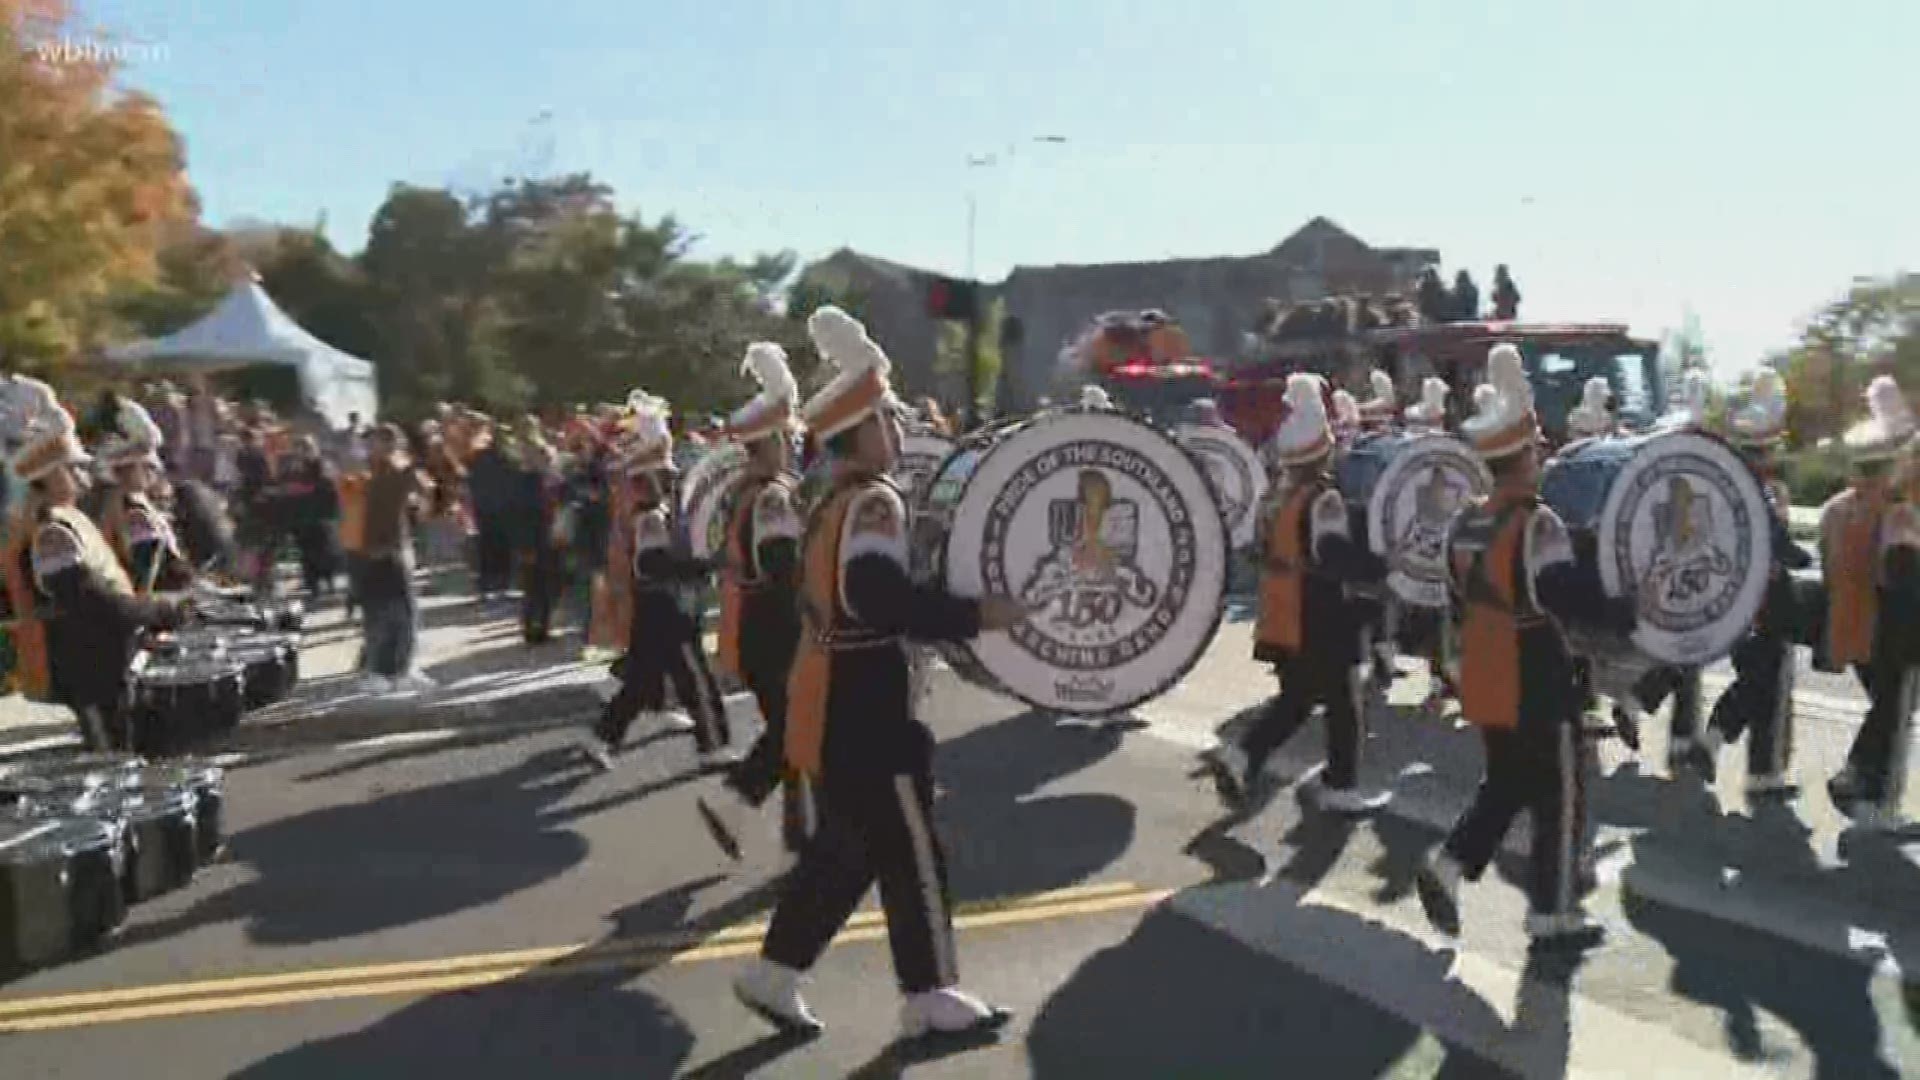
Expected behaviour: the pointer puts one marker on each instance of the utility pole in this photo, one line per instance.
(976, 389)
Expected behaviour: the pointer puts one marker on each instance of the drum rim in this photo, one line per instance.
(1249, 522)
(730, 460)
(1376, 499)
(999, 435)
(1762, 541)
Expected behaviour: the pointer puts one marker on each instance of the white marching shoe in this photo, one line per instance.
(772, 992)
(373, 684)
(717, 759)
(676, 720)
(607, 689)
(1770, 784)
(948, 1011)
(1353, 800)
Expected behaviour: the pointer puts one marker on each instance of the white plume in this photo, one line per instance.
(1885, 401)
(1507, 373)
(844, 342)
(1346, 410)
(766, 362)
(137, 427)
(24, 403)
(1485, 399)
(1302, 385)
(1596, 393)
(1383, 396)
(1093, 397)
(1433, 394)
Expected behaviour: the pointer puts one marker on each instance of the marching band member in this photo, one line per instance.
(1095, 397)
(1516, 577)
(1869, 546)
(663, 644)
(1430, 412)
(1308, 628)
(80, 618)
(1381, 611)
(137, 529)
(1687, 745)
(1760, 700)
(759, 608)
(851, 727)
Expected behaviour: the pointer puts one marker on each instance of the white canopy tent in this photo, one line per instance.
(247, 329)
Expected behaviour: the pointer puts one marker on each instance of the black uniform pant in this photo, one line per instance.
(1537, 769)
(492, 555)
(1759, 703)
(1308, 681)
(764, 767)
(1878, 757)
(646, 671)
(539, 590)
(106, 724)
(873, 828)
(1681, 684)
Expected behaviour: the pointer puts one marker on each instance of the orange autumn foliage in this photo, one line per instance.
(92, 178)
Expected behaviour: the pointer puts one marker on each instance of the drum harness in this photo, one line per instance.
(1479, 589)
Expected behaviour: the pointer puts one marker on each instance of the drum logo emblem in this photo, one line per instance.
(1113, 568)
(1686, 561)
(1687, 552)
(912, 471)
(1414, 515)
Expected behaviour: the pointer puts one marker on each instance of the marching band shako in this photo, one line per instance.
(1102, 525)
(1678, 520)
(706, 497)
(1403, 488)
(1238, 476)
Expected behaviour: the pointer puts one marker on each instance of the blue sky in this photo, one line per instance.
(1630, 160)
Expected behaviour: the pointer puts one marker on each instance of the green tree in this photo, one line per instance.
(1874, 329)
(951, 361)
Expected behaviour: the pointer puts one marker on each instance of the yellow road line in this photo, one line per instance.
(432, 976)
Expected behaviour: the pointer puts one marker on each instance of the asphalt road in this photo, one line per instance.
(479, 902)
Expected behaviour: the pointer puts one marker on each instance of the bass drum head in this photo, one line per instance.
(1108, 529)
(1411, 507)
(920, 456)
(1235, 470)
(1686, 529)
(706, 497)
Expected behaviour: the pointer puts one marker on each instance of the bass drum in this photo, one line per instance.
(1403, 490)
(1107, 529)
(1238, 476)
(706, 497)
(921, 454)
(1677, 520)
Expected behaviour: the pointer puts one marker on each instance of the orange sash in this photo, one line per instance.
(1490, 633)
(809, 681)
(1853, 581)
(353, 512)
(1282, 583)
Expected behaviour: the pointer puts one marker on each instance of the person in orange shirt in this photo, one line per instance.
(1870, 560)
(352, 486)
(1517, 581)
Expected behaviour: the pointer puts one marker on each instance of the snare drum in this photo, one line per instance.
(271, 662)
(184, 704)
(59, 888)
(1403, 489)
(158, 830)
(1107, 529)
(208, 785)
(1677, 520)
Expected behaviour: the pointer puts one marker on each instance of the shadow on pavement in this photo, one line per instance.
(1180, 998)
(416, 854)
(1824, 995)
(571, 1019)
(1005, 839)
